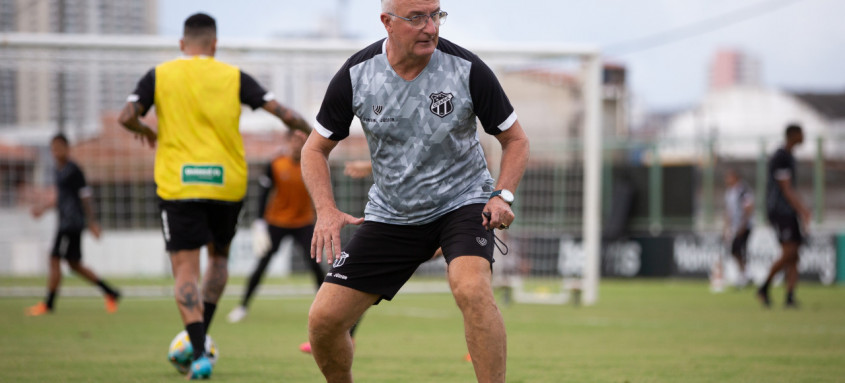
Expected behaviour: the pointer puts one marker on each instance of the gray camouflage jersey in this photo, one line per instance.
(422, 134)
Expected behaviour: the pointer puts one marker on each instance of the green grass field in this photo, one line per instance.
(642, 331)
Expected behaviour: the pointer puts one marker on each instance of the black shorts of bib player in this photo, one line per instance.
(191, 224)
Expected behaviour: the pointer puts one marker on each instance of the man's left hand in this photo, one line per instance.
(96, 231)
(500, 214)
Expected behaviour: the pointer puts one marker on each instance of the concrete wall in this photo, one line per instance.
(25, 244)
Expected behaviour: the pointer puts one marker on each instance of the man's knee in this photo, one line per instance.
(218, 250)
(472, 291)
(336, 309)
(219, 262)
(323, 322)
(323, 317)
(790, 252)
(468, 299)
(74, 265)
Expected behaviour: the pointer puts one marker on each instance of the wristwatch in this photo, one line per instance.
(505, 194)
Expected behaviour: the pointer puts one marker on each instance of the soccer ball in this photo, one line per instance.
(181, 351)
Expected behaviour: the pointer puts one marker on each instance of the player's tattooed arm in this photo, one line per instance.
(289, 116)
(130, 119)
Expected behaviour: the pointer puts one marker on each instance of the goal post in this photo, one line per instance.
(584, 64)
(593, 149)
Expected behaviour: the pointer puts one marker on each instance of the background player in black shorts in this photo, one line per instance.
(787, 214)
(739, 210)
(73, 202)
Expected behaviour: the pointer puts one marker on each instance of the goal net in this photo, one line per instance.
(78, 83)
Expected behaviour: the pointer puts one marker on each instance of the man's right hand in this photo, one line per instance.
(326, 237)
(147, 136)
(358, 169)
(805, 216)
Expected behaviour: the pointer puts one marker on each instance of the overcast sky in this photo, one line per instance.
(800, 43)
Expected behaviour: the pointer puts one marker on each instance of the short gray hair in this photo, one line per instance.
(387, 6)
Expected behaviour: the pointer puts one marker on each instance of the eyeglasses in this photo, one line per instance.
(420, 21)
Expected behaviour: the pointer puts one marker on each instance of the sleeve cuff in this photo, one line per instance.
(323, 131)
(269, 96)
(85, 192)
(133, 98)
(508, 122)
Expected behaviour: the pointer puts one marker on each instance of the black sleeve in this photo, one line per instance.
(252, 93)
(336, 111)
(490, 103)
(80, 178)
(781, 165)
(265, 184)
(144, 93)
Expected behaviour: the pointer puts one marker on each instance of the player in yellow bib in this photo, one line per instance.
(200, 168)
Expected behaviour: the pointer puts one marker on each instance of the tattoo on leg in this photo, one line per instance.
(215, 281)
(188, 296)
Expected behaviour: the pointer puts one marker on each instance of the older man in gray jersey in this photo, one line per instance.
(418, 97)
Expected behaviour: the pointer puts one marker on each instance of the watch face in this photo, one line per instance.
(507, 196)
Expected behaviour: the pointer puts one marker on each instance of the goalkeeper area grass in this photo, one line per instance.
(641, 331)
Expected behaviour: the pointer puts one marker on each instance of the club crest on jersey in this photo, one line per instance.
(377, 109)
(340, 260)
(441, 104)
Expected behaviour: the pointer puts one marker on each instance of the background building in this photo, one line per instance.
(38, 100)
(732, 67)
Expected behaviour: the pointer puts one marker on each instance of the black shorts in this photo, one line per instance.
(739, 245)
(68, 245)
(787, 228)
(301, 235)
(191, 224)
(381, 257)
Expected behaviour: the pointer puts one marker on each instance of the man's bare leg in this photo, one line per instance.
(470, 280)
(216, 273)
(55, 277)
(789, 257)
(186, 269)
(214, 281)
(335, 310)
(791, 269)
(83, 271)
